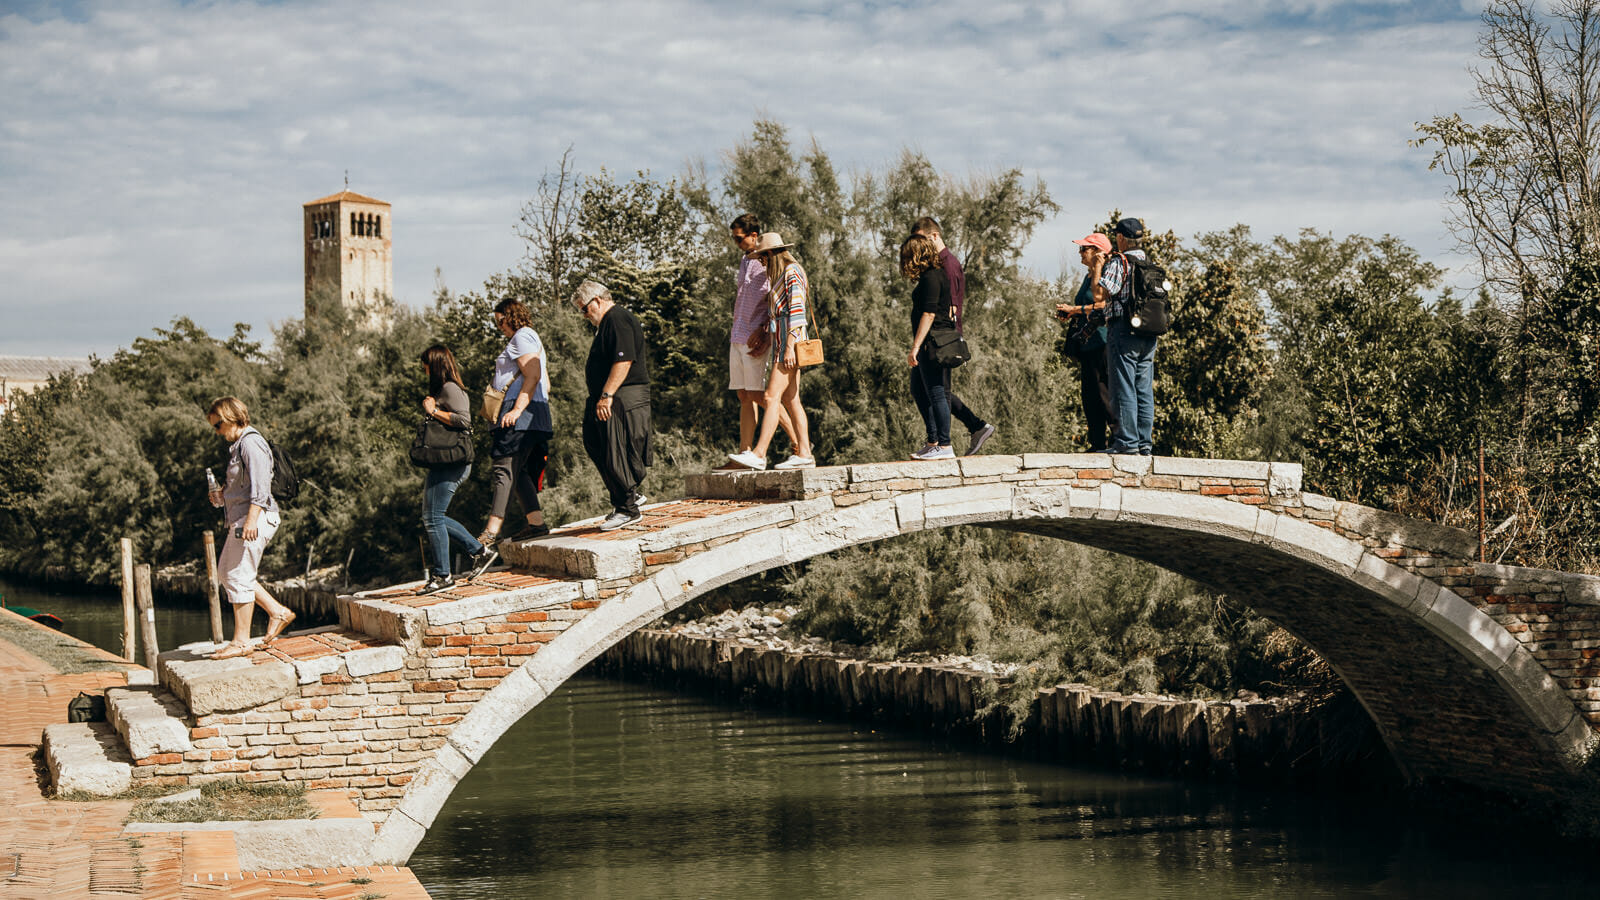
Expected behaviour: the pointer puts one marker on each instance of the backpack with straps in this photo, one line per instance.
(1148, 311)
(285, 481)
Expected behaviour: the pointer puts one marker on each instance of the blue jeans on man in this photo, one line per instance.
(438, 489)
(1131, 373)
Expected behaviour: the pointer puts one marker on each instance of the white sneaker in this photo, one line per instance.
(749, 460)
(944, 452)
(926, 449)
(797, 462)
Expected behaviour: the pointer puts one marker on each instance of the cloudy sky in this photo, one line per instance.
(154, 154)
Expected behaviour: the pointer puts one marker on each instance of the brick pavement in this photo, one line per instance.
(60, 849)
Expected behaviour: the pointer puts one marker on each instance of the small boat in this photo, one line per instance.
(42, 618)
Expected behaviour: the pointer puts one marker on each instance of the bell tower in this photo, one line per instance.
(348, 261)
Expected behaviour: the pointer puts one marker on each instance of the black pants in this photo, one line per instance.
(1096, 394)
(959, 410)
(620, 448)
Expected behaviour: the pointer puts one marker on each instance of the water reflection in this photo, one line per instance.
(95, 617)
(616, 789)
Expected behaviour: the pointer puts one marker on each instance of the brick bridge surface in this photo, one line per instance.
(1479, 673)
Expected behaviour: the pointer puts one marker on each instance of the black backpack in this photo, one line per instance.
(285, 482)
(1148, 310)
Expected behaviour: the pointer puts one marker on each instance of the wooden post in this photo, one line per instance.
(142, 594)
(1483, 545)
(127, 599)
(216, 587)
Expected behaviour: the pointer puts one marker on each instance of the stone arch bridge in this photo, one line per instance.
(1478, 673)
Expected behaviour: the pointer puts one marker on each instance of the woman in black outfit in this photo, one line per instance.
(931, 309)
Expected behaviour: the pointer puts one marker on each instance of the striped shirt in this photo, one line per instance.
(791, 298)
(1114, 278)
(750, 301)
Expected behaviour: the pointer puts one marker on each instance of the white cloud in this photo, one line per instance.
(154, 155)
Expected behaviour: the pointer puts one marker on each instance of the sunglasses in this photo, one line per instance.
(216, 426)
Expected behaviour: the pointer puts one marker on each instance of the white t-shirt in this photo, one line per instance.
(524, 342)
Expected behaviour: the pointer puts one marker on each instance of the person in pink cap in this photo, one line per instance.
(1086, 342)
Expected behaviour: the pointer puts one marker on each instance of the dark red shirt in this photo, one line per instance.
(958, 282)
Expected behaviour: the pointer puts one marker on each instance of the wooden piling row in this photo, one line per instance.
(1068, 723)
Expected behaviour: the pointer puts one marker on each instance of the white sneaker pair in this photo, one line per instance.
(797, 462)
(748, 459)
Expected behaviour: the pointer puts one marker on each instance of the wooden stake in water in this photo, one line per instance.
(127, 599)
(143, 596)
(216, 587)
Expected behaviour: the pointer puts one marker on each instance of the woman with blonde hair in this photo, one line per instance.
(787, 324)
(252, 516)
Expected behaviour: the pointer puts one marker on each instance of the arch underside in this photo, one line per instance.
(1441, 713)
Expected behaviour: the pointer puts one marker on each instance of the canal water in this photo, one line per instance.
(617, 789)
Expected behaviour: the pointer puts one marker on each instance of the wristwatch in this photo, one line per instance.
(605, 395)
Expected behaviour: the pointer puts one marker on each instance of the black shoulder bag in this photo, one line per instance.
(438, 445)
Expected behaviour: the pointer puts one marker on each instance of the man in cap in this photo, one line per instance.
(1130, 358)
(980, 430)
(616, 418)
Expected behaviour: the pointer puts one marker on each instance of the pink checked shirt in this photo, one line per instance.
(750, 302)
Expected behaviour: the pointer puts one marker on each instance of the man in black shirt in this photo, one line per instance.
(616, 420)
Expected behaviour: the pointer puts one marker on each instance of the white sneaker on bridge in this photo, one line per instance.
(797, 462)
(748, 459)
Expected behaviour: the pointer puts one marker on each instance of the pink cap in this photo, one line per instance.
(1096, 240)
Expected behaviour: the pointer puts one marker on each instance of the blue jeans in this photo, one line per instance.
(438, 489)
(1131, 374)
(930, 388)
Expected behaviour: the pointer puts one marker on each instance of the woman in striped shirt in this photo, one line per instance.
(787, 306)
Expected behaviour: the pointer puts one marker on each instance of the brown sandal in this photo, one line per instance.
(231, 650)
(276, 625)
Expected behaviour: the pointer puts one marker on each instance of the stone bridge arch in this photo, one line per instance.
(1453, 692)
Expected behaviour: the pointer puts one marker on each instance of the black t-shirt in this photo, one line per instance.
(931, 295)
(618, 338)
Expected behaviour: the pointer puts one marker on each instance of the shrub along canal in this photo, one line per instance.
(614, 788)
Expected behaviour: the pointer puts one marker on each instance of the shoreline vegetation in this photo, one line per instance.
(1342, 354)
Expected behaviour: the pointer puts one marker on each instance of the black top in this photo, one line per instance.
(618, 338)
(931, 295)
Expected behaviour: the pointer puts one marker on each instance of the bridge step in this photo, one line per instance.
(86, 757)
(205, 686)
(149, 720)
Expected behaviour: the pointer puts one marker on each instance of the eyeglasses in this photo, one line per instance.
(217, 425)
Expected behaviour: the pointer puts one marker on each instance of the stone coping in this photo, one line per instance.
(87, 757)
(339, 836)
(207, 686)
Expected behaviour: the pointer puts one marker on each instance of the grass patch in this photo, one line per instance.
(137, 792)
(231, 801)
(58, 650)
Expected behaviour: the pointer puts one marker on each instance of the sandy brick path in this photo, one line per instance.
(58, 849)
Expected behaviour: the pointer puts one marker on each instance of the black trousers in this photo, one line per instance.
(1096, 395)
(621, 450)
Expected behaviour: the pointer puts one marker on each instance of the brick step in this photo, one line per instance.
(149, 719)
(401, 614)
(338, 836)
(204, 686)
(86, 757)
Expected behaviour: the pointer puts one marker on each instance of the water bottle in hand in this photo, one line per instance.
(213, 490)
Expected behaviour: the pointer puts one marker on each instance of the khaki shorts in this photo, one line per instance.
(240, 559)
(746, 372)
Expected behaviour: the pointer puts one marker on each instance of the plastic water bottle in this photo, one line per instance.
(212, 487)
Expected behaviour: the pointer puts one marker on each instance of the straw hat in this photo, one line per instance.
(770, 241)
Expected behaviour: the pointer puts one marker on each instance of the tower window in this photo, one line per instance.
(377, 226)
(354, 226)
